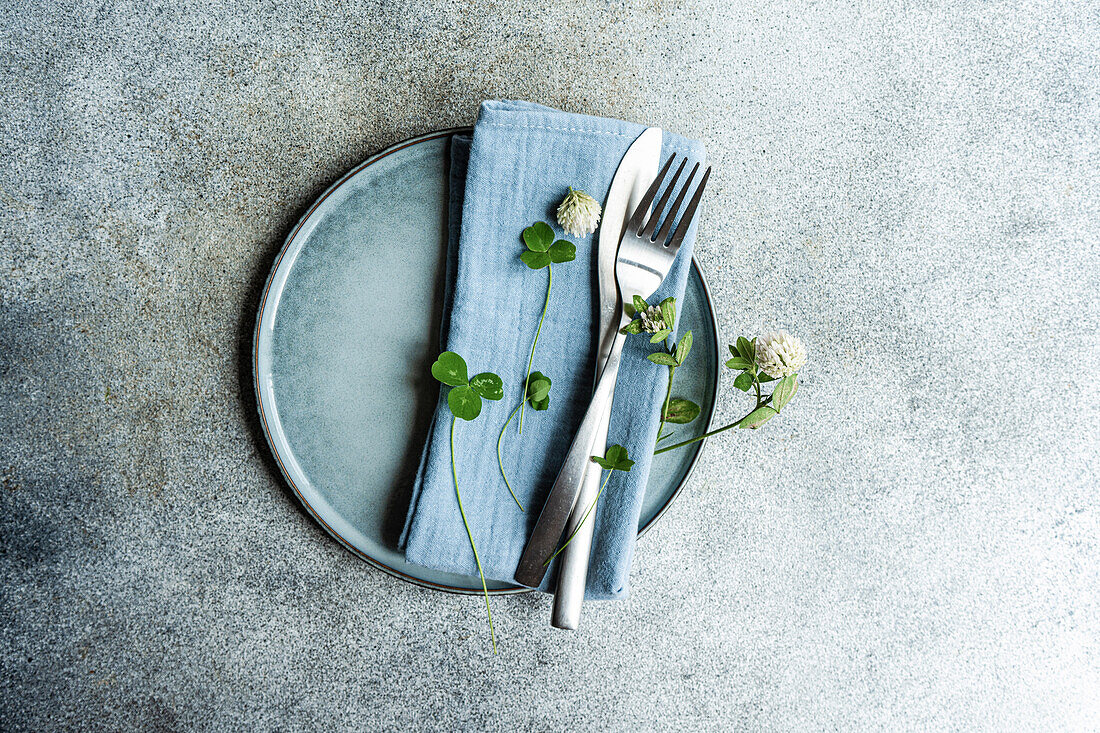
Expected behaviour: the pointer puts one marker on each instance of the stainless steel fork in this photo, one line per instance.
(645, 256)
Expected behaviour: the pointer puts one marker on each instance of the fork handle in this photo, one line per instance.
(559, 504)
(574, 559)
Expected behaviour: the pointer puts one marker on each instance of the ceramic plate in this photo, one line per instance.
(346, 333)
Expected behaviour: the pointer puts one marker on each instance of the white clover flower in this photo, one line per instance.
(653, 319)
(780, 354)
(578, 214)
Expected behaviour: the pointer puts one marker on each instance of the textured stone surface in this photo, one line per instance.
(912, 187)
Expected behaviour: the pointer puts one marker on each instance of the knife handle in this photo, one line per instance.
(559, 504)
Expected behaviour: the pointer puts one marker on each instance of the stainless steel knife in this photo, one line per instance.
(634, 175)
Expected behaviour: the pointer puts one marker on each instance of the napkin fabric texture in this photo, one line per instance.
(512, 172)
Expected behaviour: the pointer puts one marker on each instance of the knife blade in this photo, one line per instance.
(634, 175)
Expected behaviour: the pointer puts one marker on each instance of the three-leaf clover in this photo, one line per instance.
(542, 250)
(615, 458)
(538, 395)
(541, 254)
(464, 399)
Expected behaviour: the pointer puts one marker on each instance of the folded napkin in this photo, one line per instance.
(514, 171)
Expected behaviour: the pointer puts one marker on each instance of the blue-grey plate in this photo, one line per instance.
(346, 333)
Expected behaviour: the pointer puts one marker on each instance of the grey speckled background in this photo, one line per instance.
(914, 187)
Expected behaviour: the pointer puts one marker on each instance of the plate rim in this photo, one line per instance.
(257, 335)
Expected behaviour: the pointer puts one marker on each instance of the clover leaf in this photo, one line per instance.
(681, 411)
(464, 402)
(535, 260)
(668, 312)
(538, 391)
(757, 417)
(743, 381)
(562, 251)
(683, 348)
(488, 385)
(784, 391)
(615, 459)
(542, 253)
(664, 359)
(450, 368)
(538, 237)
(745, 348)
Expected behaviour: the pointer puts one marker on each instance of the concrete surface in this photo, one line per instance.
(913, 187)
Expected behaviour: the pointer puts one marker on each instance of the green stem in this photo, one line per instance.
(531, 359)
(722, 429)
(500, 460)
(581, 523)
(668, 398)
(484, 588)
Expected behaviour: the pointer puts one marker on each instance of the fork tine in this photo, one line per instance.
(671, 218)
(635, 222)
(689, 213)
(659, 207)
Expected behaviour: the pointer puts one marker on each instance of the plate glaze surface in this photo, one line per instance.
(347, 329)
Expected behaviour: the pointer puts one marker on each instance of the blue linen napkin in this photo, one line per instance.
(514, 171)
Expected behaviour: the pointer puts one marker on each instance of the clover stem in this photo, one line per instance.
(473, 546)
(500, 459)
(581, 523)
(531, 359)
(668, 398)
(696, 439)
